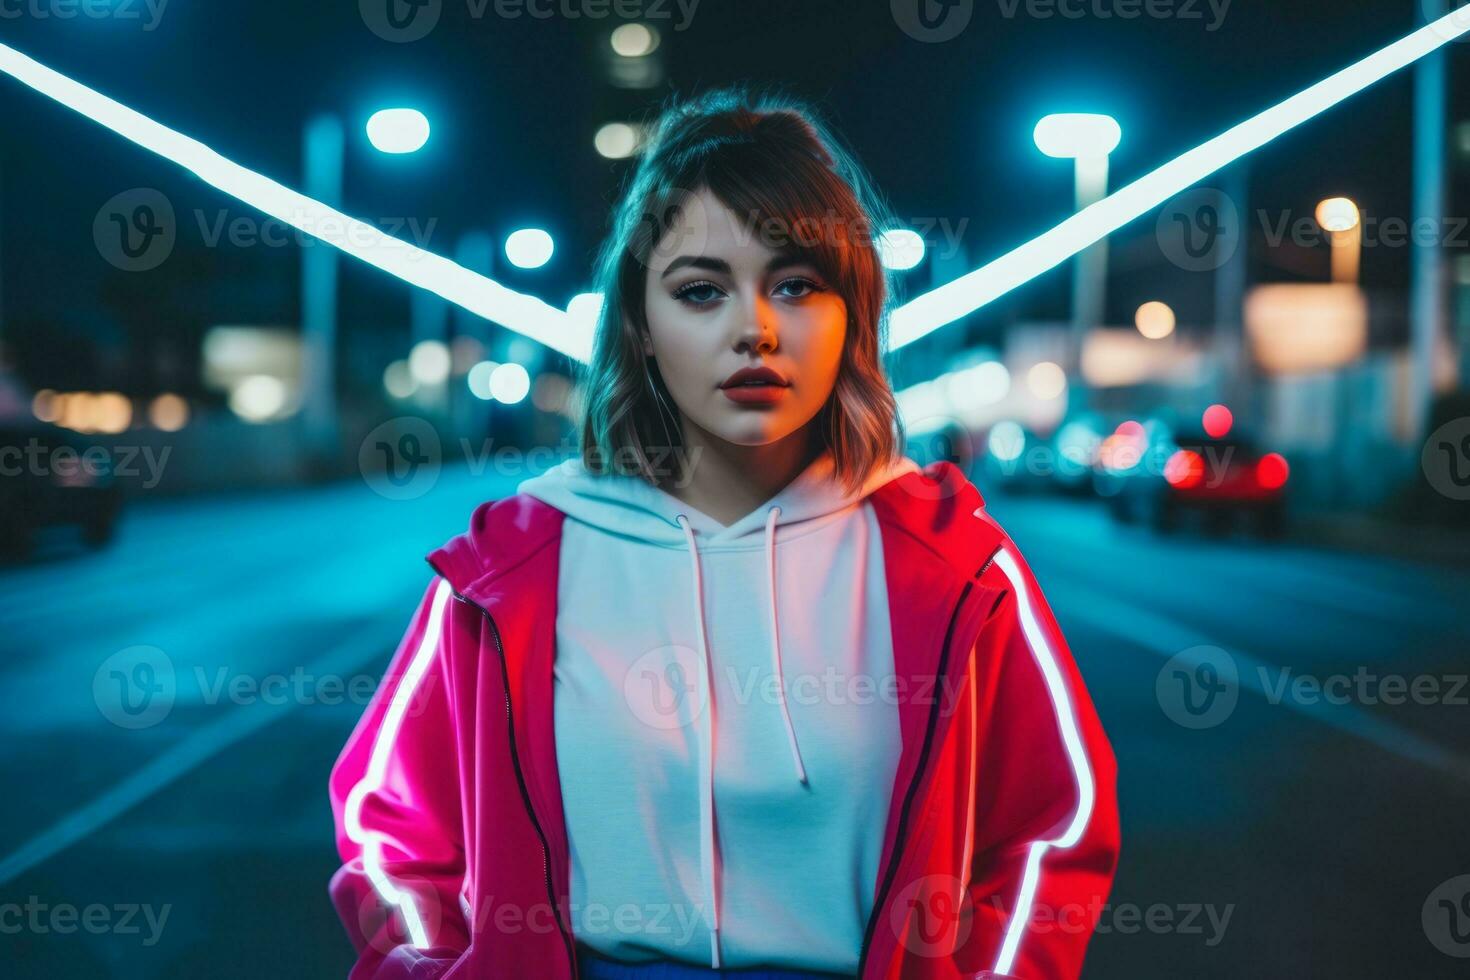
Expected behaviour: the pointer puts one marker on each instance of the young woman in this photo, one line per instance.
(743, 689)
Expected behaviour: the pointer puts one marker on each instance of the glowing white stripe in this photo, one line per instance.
(479, 294)
(1061, 699)
(548, 325)
(372, 780)
(947, 303)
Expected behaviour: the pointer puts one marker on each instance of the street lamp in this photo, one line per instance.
(1340, 218)
(323, 154)
(1087, 139)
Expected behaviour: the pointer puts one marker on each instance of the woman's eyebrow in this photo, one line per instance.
(781, 260)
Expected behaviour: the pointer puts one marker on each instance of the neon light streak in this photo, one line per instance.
(947, 303)
(1061, 699)
(917, 318)
(479, 294)
(372, 780)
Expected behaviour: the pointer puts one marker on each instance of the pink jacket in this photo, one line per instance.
(1002, 831)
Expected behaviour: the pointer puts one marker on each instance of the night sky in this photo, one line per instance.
(944, 128)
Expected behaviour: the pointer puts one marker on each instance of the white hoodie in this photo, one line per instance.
(726, 725)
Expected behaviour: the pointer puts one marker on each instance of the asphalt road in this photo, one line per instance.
(1291, 725)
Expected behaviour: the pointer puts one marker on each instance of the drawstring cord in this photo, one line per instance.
(707, 775)
(776, 644)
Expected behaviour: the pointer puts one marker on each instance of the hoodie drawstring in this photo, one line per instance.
(707, 774)
(707, 791)
(776, 643)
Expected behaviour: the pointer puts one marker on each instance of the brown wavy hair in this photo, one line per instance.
(773, 162)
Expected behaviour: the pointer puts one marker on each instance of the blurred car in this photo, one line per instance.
(1159, 477)
(49, 477)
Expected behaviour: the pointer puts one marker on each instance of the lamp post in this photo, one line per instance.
(323, 153)
(1340, 218)
(1087, 139)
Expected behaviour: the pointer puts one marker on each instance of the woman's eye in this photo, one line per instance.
(807, 285)
(696, 293)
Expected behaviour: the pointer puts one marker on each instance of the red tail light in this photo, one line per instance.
(1272, 471)
(1185, 469)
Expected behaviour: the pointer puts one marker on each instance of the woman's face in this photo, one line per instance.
(718, 299)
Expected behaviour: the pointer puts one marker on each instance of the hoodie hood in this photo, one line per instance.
(629, 505)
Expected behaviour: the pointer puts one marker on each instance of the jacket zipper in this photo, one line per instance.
(908, 799)
(515, 759)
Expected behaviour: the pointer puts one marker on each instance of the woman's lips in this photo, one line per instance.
(755, 394)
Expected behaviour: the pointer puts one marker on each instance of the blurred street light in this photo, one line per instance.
(616, 141)
(1087, 139)
(634, 40)
(398, 130)
(1339, 217)
(901, 248)
(1046, 380)
(529, 248)
(509, 383)
(1155, 320)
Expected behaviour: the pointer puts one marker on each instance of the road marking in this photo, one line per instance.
(1165, 637)
(192, 751)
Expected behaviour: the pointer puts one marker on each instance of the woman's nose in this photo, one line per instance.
(757, 329)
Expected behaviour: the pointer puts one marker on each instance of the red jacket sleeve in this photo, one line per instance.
(395, 800)
(1046, 837)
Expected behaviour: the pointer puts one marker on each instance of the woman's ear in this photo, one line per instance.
(647, 344)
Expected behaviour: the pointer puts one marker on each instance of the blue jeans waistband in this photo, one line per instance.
(595, 966)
